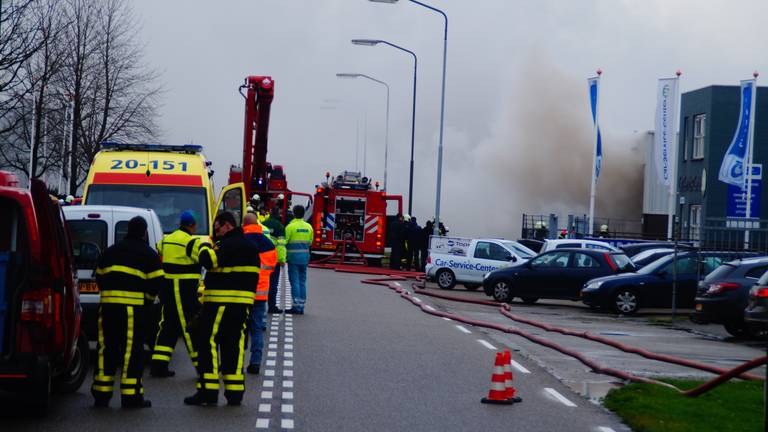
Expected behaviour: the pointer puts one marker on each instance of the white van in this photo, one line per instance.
(464, 260)
(576, 244)
(100, 226)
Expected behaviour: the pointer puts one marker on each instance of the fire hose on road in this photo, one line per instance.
(723, 374)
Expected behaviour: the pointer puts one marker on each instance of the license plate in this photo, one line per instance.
(89, 287)
(698, 307)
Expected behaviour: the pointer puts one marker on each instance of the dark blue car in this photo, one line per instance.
(651, 286)
(557, 274)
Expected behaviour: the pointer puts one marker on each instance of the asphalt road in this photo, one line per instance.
(361, 358)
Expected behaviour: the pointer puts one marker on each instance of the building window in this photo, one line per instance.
(699, 126)
(694, 219)
(684, 139)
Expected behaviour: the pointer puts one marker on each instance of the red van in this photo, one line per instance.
(41, 343)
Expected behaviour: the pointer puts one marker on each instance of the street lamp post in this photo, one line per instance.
(442, 108)
(374, 42)
(386, 132)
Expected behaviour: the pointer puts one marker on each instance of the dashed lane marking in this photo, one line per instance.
(287, 408)
(271, 363)
(286, 424)
(269, 383)
(562, 399)
(288, 384)
(269, 372)
(287, 395)
(271, 353)
(486, 344)
(519, 367)
(266, 395)
(288, 363)
(262, 424)
(463, 329)
(265, 407)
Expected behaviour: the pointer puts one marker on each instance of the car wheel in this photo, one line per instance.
(472, 287)
(502, 291)
(70, 380)
(529, 300)
(626, 302)
(736, 329)
(445, 279)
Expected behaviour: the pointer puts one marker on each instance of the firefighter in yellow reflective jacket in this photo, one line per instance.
(179, 252)
(298, 236)
(232, 275)
(129, 275)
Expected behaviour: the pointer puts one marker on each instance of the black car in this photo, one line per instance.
(633, 249)
(651, 286)
(532, 244)
(557, 274)
(723, 295)
(648, 256)
(756, 313)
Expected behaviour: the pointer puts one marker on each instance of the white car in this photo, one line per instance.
(466, 261)
(578, 244)
(95, 228)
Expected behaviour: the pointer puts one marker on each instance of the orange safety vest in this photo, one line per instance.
(267, 263)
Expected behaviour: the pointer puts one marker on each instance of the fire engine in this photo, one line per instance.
(350, 214)
(261, 178)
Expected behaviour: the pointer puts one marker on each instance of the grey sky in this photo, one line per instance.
(517, 114)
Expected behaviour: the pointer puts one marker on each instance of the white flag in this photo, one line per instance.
(664, 138)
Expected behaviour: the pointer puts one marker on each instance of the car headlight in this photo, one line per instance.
(593, 285)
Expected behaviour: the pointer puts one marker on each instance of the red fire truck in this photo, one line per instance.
(259, 177)
(349, 213)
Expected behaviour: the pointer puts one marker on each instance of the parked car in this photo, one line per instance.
(100, 227)
(756, 313)
(463, 260)
(41, 344)
(648, 256)
(633, 249)
(651, 286)
(550, 245)
(723, 295)
(532, 244)
(557, 274)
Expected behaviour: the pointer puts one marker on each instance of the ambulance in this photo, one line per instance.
(168, 179)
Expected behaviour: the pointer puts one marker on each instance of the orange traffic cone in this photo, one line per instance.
(510, 391)
(497, 394)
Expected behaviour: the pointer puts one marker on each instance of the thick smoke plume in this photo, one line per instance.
(537, 160)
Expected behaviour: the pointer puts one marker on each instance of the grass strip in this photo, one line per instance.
(734, 406)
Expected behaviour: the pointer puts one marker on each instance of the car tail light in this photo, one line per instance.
(722, 287)
(759, 292)
(36, 306)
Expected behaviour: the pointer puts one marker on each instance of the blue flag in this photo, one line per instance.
(594, 87)
(733, 168)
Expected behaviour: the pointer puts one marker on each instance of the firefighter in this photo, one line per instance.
(277, 233)
(230, 281)
(179, 251)
(298, 236)
(128, 274)
(267, 260)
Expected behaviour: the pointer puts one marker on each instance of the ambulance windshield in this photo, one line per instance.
(167, 201)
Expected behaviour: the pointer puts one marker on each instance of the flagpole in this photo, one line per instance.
(672, 204)
(592, 191)
(750, 151)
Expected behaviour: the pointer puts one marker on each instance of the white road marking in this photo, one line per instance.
(288, 354)
(272, 346)
(288, 384)
(554, 393)
(463, 329)
(289, 340)
(288, 373)
(286, 424)
(262, 424)
(519, 367)
(273, 339)
(288, 395)
(605, 429)
(428, 307)
(269, 383)
(269, 372)
(289, 334)
(271, 353)
(265, 407)
(271, 362)
(266, 395)
(286, 408)
(288, 363)
(487, 345)
(289, 346)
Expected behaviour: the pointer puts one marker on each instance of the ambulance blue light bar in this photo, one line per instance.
(186, 148)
